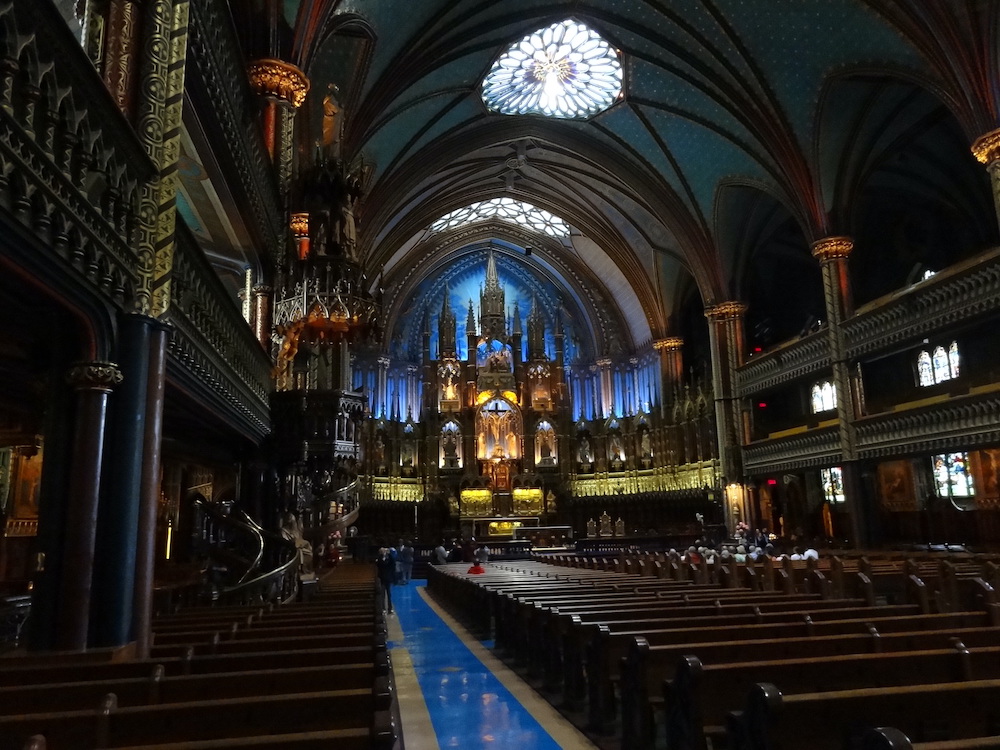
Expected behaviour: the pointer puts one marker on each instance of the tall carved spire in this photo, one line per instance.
(492, 305)
(536, 331)
(446, 327)
(470, 321)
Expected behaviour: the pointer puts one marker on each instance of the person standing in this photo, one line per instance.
(405, 562)
(440, 554)
(385, 567)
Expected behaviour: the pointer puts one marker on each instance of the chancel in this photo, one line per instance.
(624, 343)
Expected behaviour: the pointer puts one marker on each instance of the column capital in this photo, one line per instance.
(832, 248)
(669, 344)
(731, 310)
(278, 79)
(604, 362)
(94, 376)
(299, 224)
(259, 289)
(987, 147)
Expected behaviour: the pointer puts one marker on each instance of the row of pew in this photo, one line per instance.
(301, 676)
(933, 581)
(689, 664)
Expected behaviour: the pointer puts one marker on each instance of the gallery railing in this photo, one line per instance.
(213, 344)
(71, 166)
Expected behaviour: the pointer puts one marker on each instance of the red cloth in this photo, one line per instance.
(476, 570)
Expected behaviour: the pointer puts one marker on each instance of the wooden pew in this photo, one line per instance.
(222, 719)
(892, 739)
(565, 662)
(609, 647)
(698, 698)
(837, 719)
(159, 688)
(647, 666)
(17, 674)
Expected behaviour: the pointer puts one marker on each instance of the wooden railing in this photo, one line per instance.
(72, 166)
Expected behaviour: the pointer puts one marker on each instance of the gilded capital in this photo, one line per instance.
(299, 224)
(94, 376)
(669, 344)
(832, 248)
(279, 79)
(726, 311)
(604, 362)
(987, 147)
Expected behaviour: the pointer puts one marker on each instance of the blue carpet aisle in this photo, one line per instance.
(468, 705)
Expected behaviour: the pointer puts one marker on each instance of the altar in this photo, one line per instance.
(502, 528)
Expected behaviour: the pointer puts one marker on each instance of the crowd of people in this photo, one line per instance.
(394, 567)
(746, 547)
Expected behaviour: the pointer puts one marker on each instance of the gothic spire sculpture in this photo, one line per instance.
(492, 304)
(446, 327)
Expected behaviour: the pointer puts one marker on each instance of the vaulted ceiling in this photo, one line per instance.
(747, 130)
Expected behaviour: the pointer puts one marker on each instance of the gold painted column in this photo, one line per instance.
(987, 150)
(160, 105)
(607, 398)
(670, 350)
(262, 315)
(283, 88)
(725, 331)
(832, 254)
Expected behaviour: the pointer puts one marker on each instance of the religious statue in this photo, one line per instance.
(619, 527)
(450, 448)
(406, 457)
(348, 230)
(453, 508)
(332, 121)
(291, 529)
(617, 449)
(545, 446)
(645, 445)
(550, 502)
(584, 454)
(605, 524)
(449, 387)
(591, 528)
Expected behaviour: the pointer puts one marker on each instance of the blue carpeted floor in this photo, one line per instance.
(469, 708)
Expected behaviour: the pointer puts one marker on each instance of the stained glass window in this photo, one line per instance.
(953, 358)
(505, 209)
(566, 70)
(942, 370)
(833, 484)
(824, 397)
(952, 475)
(925, 371)
(942, 366)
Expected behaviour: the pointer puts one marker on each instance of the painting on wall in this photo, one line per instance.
(986, 470)
(895, 483)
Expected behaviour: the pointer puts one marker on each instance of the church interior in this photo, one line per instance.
(285, 282)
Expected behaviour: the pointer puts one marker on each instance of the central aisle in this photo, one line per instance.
(454, 693)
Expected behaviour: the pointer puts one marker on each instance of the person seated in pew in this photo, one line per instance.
(810, 554)
(771, 552)
(796, 554)
(741, 554)
(753, 553)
